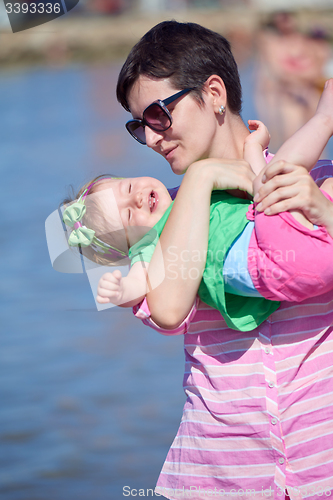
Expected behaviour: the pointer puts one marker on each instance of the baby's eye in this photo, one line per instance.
(129, 215)
(130, 188)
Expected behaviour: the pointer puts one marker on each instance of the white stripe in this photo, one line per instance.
(225, 450)
(220, 424)
(222, 375)
(291, 335)
(227, 391)
(163, 490)
(190, 391)
(205, 438)
(265, 337)
(297, 415)
(214, 476)
(330, 434)
(277, 449)
(217, 402)
(225, 343)
(234, 365)
(322, 424)
(312, 382)
(314, 464)
(314, 355)
(202, 349)
(223, 466)
(310, 315)
(286, 308)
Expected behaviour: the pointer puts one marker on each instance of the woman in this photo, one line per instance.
(259, 413)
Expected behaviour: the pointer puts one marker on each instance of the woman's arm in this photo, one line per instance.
(184, 239)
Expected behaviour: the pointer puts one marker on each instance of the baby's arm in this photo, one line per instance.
(124, 292)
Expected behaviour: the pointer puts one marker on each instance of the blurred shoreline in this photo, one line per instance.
(87, 39)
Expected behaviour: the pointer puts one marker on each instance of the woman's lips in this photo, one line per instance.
(168, 154)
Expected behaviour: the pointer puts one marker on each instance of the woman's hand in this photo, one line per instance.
(288, 187)
(225, 174)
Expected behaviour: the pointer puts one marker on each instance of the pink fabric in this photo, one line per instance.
(258, 417)
(141, 311)
(259, 410)
(282, 258)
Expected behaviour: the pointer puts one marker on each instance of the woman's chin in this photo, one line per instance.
(177, 167)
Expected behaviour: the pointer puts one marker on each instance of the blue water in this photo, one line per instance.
(90, 401)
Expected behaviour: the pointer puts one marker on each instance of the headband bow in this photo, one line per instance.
(80, 235)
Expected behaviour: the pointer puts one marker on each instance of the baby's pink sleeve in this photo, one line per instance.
(142, 312)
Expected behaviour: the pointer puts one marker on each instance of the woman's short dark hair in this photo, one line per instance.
(187, 54)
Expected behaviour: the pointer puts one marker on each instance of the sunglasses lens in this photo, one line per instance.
(156, 118)
(137, 131)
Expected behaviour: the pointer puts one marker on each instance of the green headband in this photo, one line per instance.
(83, 236)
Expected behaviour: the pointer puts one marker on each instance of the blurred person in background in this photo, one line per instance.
(292, 69)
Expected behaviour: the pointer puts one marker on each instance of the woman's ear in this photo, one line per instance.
(215, 90)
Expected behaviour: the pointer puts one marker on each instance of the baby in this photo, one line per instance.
(284, 255)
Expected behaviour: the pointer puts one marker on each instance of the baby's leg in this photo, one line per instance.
(301, 219)
(287, 261)
(306, 145)
(325, 104)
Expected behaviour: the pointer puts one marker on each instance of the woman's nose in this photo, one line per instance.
(152, 137)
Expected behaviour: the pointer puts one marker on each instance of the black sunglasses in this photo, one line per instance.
(156, 116)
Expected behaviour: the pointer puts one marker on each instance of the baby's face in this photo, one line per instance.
(141, 202)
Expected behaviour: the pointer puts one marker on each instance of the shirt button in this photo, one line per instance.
(267, 351)
(274, 421)
(270, 384)
(281, 460)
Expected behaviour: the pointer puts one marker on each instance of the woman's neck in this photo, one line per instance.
(231, 138)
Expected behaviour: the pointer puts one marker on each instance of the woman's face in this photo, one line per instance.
(192, 135)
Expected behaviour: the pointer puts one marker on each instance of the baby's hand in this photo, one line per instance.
(260, 135)
(110, 288)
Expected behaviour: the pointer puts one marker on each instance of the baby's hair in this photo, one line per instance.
(94, 219)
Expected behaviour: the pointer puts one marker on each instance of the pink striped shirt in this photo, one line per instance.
(258, 420)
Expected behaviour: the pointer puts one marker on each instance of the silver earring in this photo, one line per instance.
(221, 109)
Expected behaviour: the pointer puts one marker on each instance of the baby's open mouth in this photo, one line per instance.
(152, 201)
